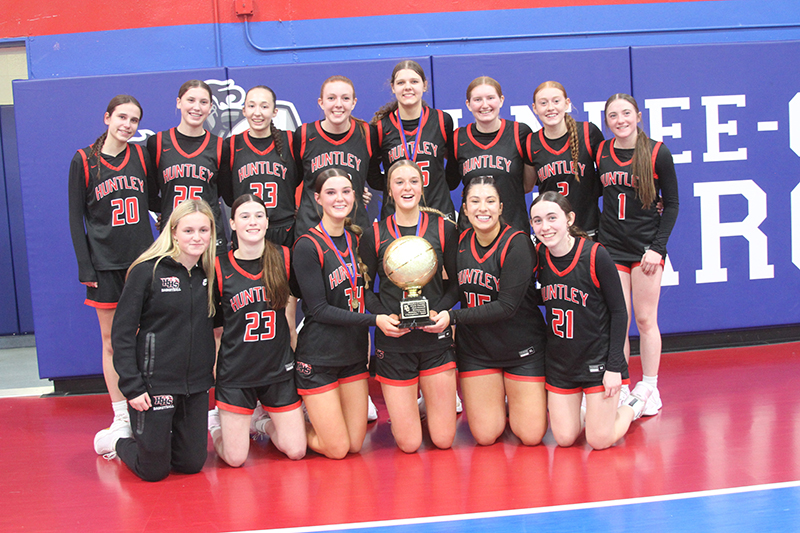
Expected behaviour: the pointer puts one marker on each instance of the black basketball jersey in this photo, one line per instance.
(265, 173)
(182, 176)
(501, 157)
(115, 213)
(507, 341)
(432, 229)
(330, 344)
(625, 226)
(552, 159)
(255, 349)
(578, 333)
(429, 139)
(319, 152)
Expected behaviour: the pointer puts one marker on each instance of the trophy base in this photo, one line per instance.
(415, 323)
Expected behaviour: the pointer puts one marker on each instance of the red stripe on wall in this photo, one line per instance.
(50, 17)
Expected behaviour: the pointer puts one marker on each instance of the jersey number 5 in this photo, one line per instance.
(562, 323)
(183, 192)
(256, 321)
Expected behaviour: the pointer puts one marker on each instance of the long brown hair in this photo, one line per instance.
(348, 224)
(115, 102)
(273, 130)
(563, 203)
(641, 165)
(273, 267)
(572, 127)
(391, 107)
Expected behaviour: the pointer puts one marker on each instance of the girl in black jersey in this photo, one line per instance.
(408, 129)
(493, 146)
(187, 158)
(338, 141)
(331, 366)
(262, 163)
(586, 315)
(500, 339)
(406, 358)
(164, 349)
(255, 361)
(635, 172)
(110, 226)
(563, 151)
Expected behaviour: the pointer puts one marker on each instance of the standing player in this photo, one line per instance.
(187, 157)
(331, 347)
(501, 333)
(586, 314)
(407, 358)
(493, 146)
(562, 152)
(255, 360)
(338, 141)
(108, 203)
(164, 349)
(408, 129)
(261, 163)
(635, 172)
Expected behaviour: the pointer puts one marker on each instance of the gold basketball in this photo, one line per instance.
(410, 262)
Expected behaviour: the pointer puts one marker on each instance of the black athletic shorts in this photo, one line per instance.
(275, 398)
(402, 369)
(108, 291)
(314, 379)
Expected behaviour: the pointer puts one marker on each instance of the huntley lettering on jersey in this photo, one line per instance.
(486, 161)
(561, 291)
(247, 297)
(118, 183)
(557, 168)
(187, 170)
(425, 147)
(476, 276)
(259, 168)
(338, 276)
(616, 178)
(339, 159)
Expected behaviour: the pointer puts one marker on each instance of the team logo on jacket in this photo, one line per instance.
(163, 401)
(304, 369)
(171, 284)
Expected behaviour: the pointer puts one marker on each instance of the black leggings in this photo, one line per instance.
(171, 435)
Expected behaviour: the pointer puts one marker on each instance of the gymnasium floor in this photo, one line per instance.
(723, 455)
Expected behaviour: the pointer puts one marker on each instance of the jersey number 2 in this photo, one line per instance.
(255, 321)
(125, 211)
(562, 323)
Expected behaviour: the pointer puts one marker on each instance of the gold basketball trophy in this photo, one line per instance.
(410, 262)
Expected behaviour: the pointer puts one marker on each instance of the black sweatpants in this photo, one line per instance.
(171, 435)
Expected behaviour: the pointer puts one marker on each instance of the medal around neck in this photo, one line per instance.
(410, 262)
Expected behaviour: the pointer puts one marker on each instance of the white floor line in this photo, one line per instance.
(27, 391)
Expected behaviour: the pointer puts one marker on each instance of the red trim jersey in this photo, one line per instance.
(578, 316)
(255, 349)
(626, 228)
(109, 219)
(510, 340)
(501, 155)
(182, 175)
(256, 167)
(552, 159)
(333, 333)
(318, 151)
(442, 237)
(436, 131)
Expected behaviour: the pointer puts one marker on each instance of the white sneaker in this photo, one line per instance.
(653, 403)
(259, 414)
(459, 407)
(372, 411)
(213, 419)
(624, 392)
(122, 424)
(105, 442)
(638, 399)
(423, 409)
